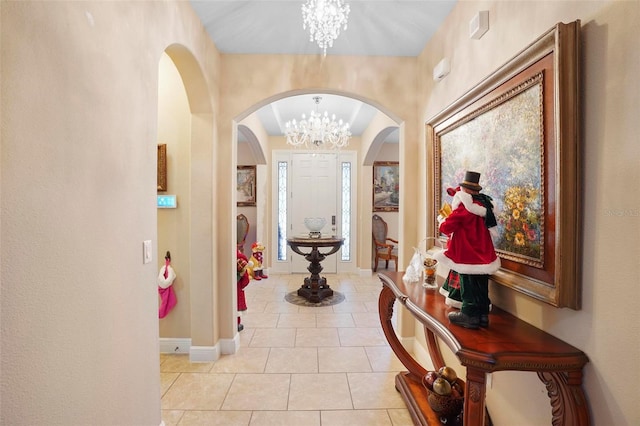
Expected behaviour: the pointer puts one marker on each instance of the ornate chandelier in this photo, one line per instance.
(317, 132)
(324, 19)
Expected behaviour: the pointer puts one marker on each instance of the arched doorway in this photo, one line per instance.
(365, 146)
(185, 125)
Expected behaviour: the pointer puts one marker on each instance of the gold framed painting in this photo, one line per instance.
(246, 186)
(386, 186)
(519, 129)
(162, 167)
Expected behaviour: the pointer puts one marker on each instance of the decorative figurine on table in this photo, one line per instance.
(470, 252)
(255, 271)
(242, 281)
(166, 276)
(429, 266)
(451, 287)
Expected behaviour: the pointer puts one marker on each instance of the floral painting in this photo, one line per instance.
(505, 144)
(520, 129)
(520, 221)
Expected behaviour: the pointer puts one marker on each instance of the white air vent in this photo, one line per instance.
(479, 25)
(441, 70)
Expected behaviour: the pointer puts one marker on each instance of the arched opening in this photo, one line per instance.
(382, 127)
(185, 125)
(250, 154)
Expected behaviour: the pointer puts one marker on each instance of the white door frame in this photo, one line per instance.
(347, 163)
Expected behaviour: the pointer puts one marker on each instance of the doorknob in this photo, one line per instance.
(333, 219)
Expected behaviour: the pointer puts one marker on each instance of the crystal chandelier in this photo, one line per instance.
(324, 19)
(317, 132)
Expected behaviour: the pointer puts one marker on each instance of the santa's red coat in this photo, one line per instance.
(243, 280)
(470, 248)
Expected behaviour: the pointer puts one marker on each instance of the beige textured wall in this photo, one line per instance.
(79, 133)
(245, 157)
(606, 328)
(174, 130)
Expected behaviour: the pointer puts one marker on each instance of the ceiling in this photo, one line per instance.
(375, 28)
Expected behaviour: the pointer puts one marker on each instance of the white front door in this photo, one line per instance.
(313, 194)
(307, 184)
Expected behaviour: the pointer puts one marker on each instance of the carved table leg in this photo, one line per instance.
(474, 395)
(568, 401)
(385, 307)
(434, 349)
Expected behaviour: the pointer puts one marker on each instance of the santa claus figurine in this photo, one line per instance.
(451, 287)
(255, 270)
(470, 252)
(166, 276)
(242, 281)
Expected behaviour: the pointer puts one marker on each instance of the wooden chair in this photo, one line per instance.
(242, 231)
(383, 249)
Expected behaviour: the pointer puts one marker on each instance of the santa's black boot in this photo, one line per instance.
(464, 320)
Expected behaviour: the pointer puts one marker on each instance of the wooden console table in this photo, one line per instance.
(508, 344)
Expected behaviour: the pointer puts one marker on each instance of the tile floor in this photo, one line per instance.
(302, 366)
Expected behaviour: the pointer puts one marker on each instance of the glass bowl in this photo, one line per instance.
(315, 224)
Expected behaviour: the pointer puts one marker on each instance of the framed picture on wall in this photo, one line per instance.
(162, 167)
(519, 129)
(386, 186)
(246, 186)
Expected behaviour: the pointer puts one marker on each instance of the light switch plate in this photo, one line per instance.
(146, 251)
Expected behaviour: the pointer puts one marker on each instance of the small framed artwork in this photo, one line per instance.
(519, 129)
(162, 167)
(386, 186)
(246, 186)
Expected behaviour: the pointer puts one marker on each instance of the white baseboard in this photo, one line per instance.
(204, 353)
(408, 343)
(421, 355)
(230, 346)
(365, 272)
(199, 353)
(171, 345)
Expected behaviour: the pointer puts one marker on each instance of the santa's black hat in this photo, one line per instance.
(471, 180)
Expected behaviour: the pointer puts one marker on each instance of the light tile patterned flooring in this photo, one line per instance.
(301, 366)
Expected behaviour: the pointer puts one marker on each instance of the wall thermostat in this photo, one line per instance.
(167, 202)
